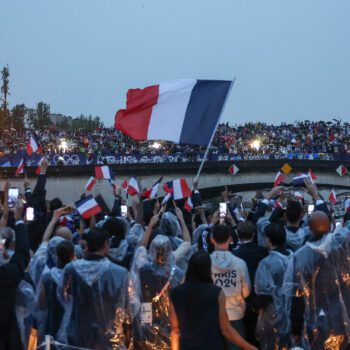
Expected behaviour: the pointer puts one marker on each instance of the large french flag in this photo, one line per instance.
(88, 207)
(182, 111)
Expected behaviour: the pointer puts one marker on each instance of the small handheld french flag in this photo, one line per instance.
(133, 187)
(88, 207)
(90, 184)
(178, 188)
(103, 172)
(279, 178)
(299, 181)
(153, 191)
(166, 198)
(33, 145)
(188, 204)
(20, 169)
(312, 175)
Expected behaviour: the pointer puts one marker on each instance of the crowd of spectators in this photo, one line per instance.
(165, 277)
(248, 141)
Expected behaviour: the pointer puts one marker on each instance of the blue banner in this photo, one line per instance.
(79, 158)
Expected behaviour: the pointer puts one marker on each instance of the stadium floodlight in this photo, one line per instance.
(63, 145)
(255, 144)
(156, 145)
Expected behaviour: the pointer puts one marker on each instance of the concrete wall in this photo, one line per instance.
(68, 182)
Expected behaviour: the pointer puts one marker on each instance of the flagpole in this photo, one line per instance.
(212, 136)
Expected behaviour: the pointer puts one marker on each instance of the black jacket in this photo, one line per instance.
(252, 254)
(10, 276)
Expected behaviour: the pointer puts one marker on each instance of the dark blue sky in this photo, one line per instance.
(291, 58)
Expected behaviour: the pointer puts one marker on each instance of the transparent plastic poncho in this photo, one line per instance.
(170, 227)
(95, 295)
(273, 324)
(154, 274)
(320, 274)
(45, 256)
(127, 245)
(24, 306)
(49, 311)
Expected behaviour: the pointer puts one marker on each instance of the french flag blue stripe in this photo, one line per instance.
(203, 111)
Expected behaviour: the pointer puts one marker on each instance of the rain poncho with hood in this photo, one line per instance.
(170, 227)
(25, 304)
(273, 323)
(49, 310)
(45, 256)
(123, 254)
(154, 274)
(294, 238)
(94, 293)
(231, 274)
(197, 234)
(319, 272)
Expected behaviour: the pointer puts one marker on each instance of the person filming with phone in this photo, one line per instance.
(11, 274)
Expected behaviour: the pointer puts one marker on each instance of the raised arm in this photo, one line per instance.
(5, 208)
(55, 217)
(185, 233)
(15, 268)
(146, 236)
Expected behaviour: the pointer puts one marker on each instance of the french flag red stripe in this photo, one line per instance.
(135, 119)
(181, 189)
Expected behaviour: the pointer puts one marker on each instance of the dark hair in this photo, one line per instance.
(96, 239)
(221, 233)
(294, 211)
(115, 227)
(346, 216)
(276, 234)
(199, 268)
(55, 203)
(246, 230)
(64, 252)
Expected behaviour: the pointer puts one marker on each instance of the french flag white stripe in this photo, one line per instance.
(33, 144)
(87, 205)
(105, 172)
(177, 189)
(154, 191)
(169, 113)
